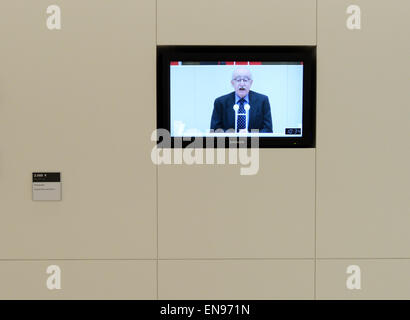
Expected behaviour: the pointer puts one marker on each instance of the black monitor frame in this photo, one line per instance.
(305, 54)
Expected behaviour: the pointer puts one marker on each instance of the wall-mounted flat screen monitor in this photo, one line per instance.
(237, 92)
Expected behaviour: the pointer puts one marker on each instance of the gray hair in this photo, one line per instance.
(243, 68)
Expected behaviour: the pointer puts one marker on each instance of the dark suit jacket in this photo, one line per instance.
(223, 115)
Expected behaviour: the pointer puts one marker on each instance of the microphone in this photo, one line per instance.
(236, 108)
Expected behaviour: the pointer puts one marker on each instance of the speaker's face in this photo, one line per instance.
(242, 81)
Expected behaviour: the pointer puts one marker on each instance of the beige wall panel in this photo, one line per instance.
(238, 279)
(224, 22)
(79, 280)
(211, 211)
(81, 101)
(380, 279)
(363, 153)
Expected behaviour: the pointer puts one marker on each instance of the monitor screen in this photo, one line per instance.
(236, 98)
(270, 98)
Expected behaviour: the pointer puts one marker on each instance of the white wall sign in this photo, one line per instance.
(46, 186)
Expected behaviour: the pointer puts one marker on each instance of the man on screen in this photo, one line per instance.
(242, 109)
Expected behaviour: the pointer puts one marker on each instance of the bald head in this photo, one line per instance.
(242, 81)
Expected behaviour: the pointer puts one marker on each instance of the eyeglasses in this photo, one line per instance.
(242, 79)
